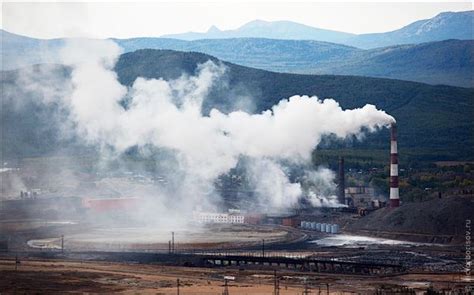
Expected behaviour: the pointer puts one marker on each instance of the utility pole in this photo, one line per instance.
(62, 243)
(17, 262)
(226, 288)
(276, 285)
(327, 286)
(177, 286)
(306, 289)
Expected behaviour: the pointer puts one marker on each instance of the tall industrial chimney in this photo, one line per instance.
(341, 197)
(394, 195)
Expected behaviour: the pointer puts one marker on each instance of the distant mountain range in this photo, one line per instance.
(18, 51)
(420, 109)
(446, 25)
(286, 30)
(448, 62)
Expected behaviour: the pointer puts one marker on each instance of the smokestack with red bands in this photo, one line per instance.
(394, 195)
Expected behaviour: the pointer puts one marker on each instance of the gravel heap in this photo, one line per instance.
(438, 220)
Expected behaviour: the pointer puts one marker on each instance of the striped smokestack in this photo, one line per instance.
(394, 195)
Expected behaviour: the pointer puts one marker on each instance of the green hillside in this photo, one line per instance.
(447, 62)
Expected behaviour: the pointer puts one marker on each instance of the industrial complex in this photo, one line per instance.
(303, 241)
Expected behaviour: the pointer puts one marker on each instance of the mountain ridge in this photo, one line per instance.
(271, 30)
(443, 62)
(449, 62)
(448, 24)
(445, 25)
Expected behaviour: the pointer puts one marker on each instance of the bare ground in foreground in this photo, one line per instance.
(60, 276)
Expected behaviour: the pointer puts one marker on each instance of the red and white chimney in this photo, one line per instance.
(394, 195)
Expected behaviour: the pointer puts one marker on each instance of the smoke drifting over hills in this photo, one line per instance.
(168, 115)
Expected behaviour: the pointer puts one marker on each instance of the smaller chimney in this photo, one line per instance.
(341, 197)
(394, 195)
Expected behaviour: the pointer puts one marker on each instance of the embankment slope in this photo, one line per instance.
(434, 221)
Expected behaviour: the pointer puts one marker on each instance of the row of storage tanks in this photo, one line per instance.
(322, 227)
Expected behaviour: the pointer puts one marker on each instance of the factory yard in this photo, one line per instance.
(62, 276)
(145, 267)
(150, 238)
(52, 272)
(418, 246)
(79, 237)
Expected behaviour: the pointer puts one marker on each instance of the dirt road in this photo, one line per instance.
(59, 276)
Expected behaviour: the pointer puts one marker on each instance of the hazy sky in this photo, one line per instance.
(123, 20)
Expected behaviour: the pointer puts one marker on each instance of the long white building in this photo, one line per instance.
(207, 217)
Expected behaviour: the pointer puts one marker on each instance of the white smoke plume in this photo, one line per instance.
(321, 190)
(273, 188)
(168, 115)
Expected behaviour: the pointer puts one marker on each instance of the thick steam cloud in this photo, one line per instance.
(168, 115)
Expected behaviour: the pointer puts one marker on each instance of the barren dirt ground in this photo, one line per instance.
(59, 277)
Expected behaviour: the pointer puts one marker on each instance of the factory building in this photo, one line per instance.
(110, 204)
(249, 218)
(254, 218)
(41, 207)
(282, 219)
(359, 196)
(292, 221)
(208, 217)
(363, 197)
